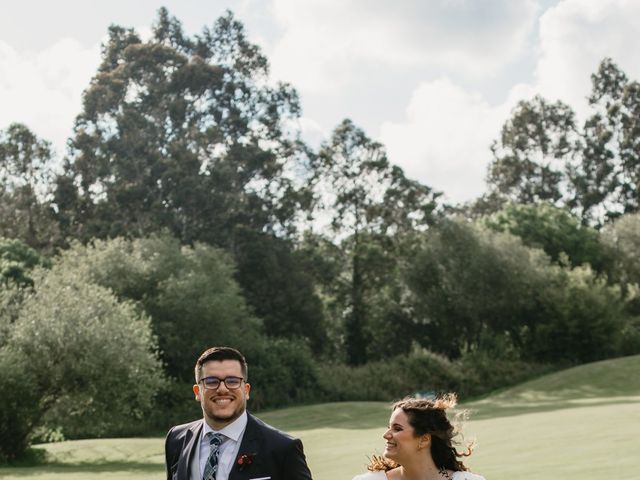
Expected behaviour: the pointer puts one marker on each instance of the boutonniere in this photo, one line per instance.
(245, 459)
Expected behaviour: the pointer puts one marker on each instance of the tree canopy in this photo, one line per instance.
(182, 133)
(542, 155)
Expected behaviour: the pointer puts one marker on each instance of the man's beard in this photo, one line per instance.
(228, 418)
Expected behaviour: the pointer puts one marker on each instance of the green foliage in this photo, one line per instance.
(542, 155)
(86, 361)
(466, 280)
(280, 290)
(483, 372)
(622, 237)
(583, 321)
(390, 379)
(282, 372)
(79, 342)
(19, 406)
(420, 371)
(25, 183)
(369, 202)
(185, 134)
(17, 259)
(608, 172)
(189, 293)
(554, 230)
(531, 158)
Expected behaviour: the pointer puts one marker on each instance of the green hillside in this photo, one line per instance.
(578, 424)
(606, 382)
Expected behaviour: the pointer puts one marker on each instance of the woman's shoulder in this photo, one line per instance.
(467, 476)
(371, 476)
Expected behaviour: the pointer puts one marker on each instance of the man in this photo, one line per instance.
(229, 443)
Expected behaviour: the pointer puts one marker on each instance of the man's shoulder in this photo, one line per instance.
(181, 430)
(268, 430)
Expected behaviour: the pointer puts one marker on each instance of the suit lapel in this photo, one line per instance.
(250, 445)
(191, 443)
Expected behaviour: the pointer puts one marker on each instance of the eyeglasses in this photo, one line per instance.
(213, 383)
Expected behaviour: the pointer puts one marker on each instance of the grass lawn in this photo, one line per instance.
(579, 424)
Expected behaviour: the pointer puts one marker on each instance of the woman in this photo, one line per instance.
(420, 444)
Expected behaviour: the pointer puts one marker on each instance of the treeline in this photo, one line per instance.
(187, 212)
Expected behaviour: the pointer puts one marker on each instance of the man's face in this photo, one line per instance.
(222, 406)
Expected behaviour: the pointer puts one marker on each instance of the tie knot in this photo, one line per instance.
(215, 439)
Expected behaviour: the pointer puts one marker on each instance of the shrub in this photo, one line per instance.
(20, 408)
(390, 379)
(483, 373)
(282, 372)
(90, 360)
(189, 293)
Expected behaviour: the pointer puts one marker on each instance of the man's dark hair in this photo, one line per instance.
(218, 354)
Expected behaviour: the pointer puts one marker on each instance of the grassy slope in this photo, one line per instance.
(580, 423)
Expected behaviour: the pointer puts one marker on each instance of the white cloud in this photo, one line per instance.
(575, 36)
(445, 137)
(325, 42)
(444, 141)
(43, 90)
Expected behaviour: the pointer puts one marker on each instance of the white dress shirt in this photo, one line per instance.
(228, 448)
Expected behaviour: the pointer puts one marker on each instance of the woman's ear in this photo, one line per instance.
(425, 441)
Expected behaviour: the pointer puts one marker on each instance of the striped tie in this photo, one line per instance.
(210, 469)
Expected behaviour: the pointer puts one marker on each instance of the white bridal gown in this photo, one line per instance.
(383, 476)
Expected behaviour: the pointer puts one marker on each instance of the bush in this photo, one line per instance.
(20, 408)
(466, 280)
(483, 373)
(474, 374)
(390, 379)
(188, 292)
(583, 319)
(282, 372)
(17, 260)
(90, 360)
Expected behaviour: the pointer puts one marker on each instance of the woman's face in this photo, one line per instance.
(402, 442)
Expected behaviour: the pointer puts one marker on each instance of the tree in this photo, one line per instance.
(189, 293)
(554, 230)
(532, 158)
(19, 407)
(597, 180)
(17, 260)
(474, 289)
(622, 236)
(279, 289)
(88, 360)
(584, 320)
(182, 133)
(467, 281)
(610, 169)
(369, 202)
(594, 171)
(25, 183)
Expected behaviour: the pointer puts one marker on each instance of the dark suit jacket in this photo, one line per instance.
(277, 455)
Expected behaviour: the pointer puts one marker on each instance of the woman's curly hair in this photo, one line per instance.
(429, 416)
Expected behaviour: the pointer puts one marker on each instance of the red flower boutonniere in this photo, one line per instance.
(245, 459)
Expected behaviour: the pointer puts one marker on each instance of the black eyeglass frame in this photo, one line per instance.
(221, 380)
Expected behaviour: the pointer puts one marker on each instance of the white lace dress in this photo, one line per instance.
(383, 476)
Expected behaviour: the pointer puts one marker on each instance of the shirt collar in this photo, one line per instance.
(233, 431)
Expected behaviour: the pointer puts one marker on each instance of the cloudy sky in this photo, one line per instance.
(434, 80)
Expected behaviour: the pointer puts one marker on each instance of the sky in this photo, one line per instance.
(433, 80)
